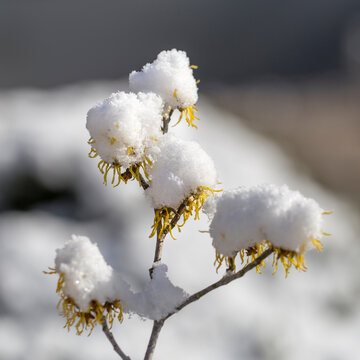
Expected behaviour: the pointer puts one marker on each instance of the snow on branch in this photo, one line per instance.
(129, 133)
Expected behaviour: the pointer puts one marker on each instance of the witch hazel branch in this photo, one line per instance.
(130, 139)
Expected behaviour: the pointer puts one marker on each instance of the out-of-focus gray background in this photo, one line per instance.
(47, 43)
(290, 68)
(279, 102)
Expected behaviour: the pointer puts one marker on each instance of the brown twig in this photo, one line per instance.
(144, 184)
(127, 175)
(224, 281)
(112, 340)
(160, 237)
(153, 339)
(166, 121)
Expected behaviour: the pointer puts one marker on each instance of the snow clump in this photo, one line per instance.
(179, 169)
(160, 296)
(124, 126)
(87, 276)
(169, 76)
(247, 216)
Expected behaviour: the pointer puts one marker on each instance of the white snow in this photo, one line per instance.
(169, 76)
(248, 215)
(179, 168)
(87, 276)
(124, 126)
(159, 296)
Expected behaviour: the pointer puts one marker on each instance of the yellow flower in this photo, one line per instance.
(192, 206)
(287, 258)
(116, 171)
(96, 313)
(188, 113)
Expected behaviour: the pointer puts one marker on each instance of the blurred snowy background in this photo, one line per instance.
(260, 122)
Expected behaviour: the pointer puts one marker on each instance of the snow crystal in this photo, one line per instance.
(249, 215)
(160, 296)
(87, 277)
(124, 126)
(169, 76)
(179, 169)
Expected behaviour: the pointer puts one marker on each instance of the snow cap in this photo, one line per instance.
(248, 215)
(124, 126)
(169, 76)
(178, 170)
(87, 276)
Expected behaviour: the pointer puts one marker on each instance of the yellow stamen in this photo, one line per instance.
(180, 117)
(85, 320)
(218, 261)
(195, 202)
(190, 116)
(194, 67)
(286, 257)
(318, 245)
(50, 272)
(118, 176)
(92, 154)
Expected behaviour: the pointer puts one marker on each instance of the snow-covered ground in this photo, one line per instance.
(43, 154)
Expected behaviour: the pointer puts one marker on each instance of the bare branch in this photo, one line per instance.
(127, 175)
(144, 184)
(224, 281)
(166, 121)
(112, 340)
(153, 339)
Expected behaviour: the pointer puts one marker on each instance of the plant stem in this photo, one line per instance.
(166, 121)
(112, 340)
(160, 238)
(224, 281)
(153, 339)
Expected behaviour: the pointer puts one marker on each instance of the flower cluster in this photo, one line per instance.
(171, 77)
(123, 128)
(87, 287)
(182, 174)
(248, 220)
